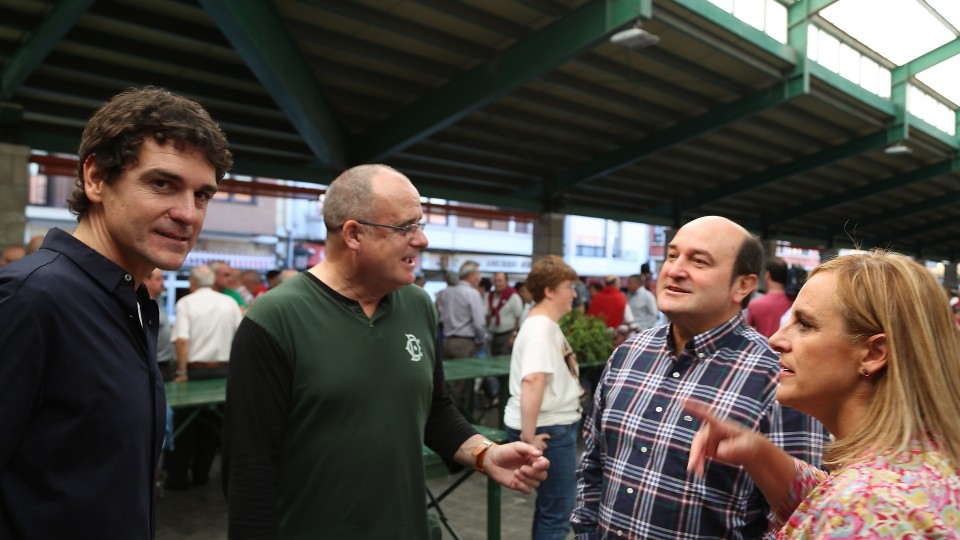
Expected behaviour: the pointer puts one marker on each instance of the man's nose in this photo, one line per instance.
(184, 209)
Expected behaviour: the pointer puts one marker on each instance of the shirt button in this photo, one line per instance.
(659, 409)
(701, 355)
(676, 375)
(643, 449)
(688, 418)
(629, 490)
(127, 277)
(619, 533)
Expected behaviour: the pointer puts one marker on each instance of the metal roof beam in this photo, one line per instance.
(944, 167)
(927, 60)
(903, 211)
(671, 137)
(923, 229)
(530, 58)
(852, 89)
(257, 166)
(256, 31)
(43, 40)
(817, 5)
(735, 26)
(792, 168)
(403, 27)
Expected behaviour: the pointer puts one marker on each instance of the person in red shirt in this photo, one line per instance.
(609, 304)
(764, 313)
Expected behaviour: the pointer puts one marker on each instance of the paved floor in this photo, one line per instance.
(200, 513)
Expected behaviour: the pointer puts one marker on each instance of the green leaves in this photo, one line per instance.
(588, 336)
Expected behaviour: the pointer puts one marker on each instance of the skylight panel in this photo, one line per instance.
(899, 30)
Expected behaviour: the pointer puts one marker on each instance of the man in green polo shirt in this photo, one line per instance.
(334, 385)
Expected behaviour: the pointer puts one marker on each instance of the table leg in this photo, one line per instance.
(185, 423)
(504, 397)
(493, 510)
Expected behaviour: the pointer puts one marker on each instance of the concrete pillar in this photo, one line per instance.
(950, 275)
(13, 194)
(548, 235)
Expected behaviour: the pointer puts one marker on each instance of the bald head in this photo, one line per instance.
(708, 275)
(720, 225)
(201, 276)
(350, 194)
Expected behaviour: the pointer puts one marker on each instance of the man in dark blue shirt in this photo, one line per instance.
(82, 409)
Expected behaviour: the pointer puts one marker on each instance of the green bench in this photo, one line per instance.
(434, 467)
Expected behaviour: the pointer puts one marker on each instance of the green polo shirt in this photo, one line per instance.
(350, 461)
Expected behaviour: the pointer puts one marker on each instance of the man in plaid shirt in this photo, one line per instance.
(632, 481)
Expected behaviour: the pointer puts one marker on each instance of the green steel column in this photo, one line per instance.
(493, 509)
(798, 17)
(900, 129)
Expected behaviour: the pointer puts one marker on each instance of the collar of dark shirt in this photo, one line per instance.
(102, 270)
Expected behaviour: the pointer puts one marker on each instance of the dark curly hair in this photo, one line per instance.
(117, 130)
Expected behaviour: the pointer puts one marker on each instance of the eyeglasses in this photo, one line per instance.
(407, 230)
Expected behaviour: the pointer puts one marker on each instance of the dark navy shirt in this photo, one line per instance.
(82, 406)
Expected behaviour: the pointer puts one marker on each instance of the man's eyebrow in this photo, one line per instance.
(170, 175)
(160, 171)
(693, 251)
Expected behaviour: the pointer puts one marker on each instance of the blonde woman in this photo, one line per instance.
(870, 350)
(544, 405)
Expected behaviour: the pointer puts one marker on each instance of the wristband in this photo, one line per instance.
(480, 453)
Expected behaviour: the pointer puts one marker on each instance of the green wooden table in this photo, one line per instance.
(198, 395)
(472, 368)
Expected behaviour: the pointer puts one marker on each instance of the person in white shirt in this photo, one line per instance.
(544, 406)
(202, 334)
(504, 308)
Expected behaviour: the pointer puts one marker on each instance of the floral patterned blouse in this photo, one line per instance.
(912, 494)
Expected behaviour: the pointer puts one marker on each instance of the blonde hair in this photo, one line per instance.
(917, 395)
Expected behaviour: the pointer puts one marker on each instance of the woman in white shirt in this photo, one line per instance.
(544, 406)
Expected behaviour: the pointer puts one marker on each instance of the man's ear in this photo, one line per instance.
(351, 234)
(92, 180)
(744, 286)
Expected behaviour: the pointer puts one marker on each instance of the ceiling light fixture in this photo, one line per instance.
(897, 149)
(634, 38)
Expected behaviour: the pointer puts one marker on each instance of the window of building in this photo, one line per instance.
(435, 212)
(236, 198)
(52, 191)
(483, 223)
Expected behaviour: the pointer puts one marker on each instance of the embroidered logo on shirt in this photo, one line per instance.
(413, 347)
